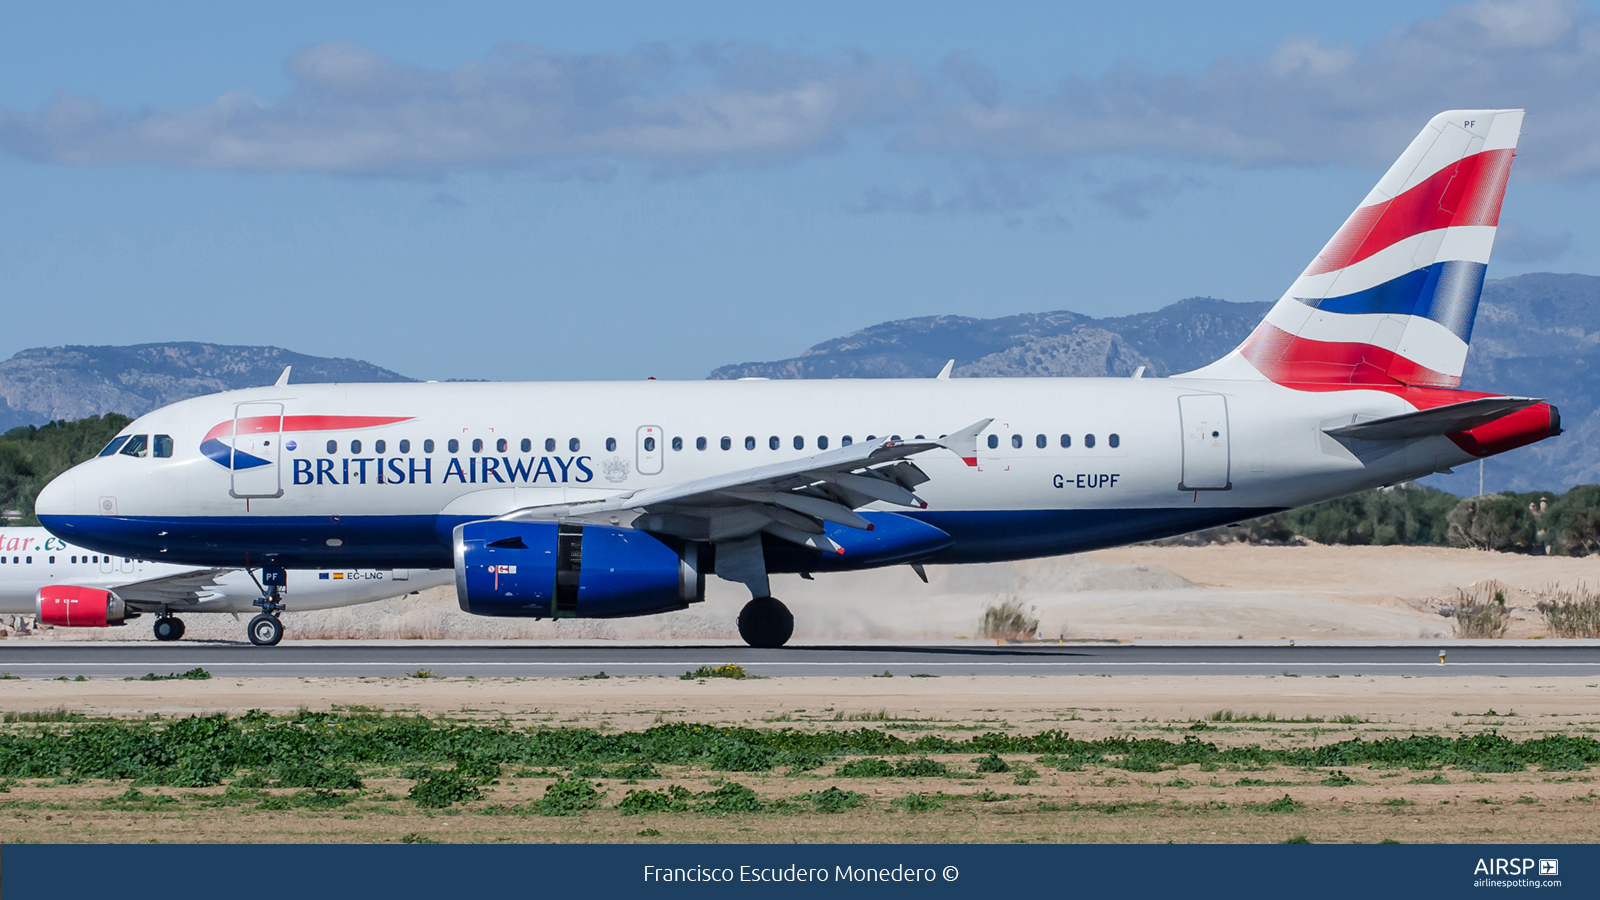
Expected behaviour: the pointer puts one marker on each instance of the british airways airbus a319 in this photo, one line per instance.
(609, 499)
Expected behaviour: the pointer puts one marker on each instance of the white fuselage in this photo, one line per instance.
(320, 498)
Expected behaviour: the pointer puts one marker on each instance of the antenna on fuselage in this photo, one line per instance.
(284, 378)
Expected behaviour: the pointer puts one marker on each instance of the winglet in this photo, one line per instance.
(944, 373)
(284, 378)
(964, 443)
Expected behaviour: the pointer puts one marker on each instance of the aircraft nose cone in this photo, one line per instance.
(59, 497)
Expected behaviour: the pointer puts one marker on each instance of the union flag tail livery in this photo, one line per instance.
(1390, 300)
(603, 499)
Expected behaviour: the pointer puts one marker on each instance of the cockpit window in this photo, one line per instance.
(114, 446)
(163, 446)
(137, 445)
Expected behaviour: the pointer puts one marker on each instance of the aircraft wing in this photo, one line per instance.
(185, 587)
(789, 500)
(1462, 416)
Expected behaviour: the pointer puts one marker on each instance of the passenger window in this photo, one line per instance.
(454, 445)
(1088, 440)
(355, 446)
(846, 441)
(611, 444)
(699, 443)
(677, 443)
(427, 446)
(799, 442)
(822, 442)
(773, 442)
(137, 445)
(1114, 439)
(727, 442)
(163, 448)
(499, 446)
(871, 437)
(573, 444)
(52, 560)
(114, 446)
(994, 441)
(74, 560)
(549, 445)
(527, 445)
(379, 447)
(30, 560)
(1041, 442)
(477, 445)
(749, 442)
(1016, 441)
(405, 446)
(1066, 441)
(649, 444)
(895, 438)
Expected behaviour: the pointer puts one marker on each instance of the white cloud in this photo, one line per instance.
(1303, 101)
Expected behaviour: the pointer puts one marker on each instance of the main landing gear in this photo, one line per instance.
(766, 623)
(168, 627)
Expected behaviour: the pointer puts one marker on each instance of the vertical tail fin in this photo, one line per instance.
(1392, 297)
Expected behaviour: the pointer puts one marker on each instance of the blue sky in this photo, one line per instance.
(525, 191)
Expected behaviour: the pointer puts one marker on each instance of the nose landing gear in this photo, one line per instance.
(168, 627)
(266, 629)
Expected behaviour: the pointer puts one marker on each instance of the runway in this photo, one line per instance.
(511, 660)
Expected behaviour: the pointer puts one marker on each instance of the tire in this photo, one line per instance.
(168, 628)
(265, 630)
(766, 623)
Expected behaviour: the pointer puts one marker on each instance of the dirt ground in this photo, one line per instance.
(1096, 804)
(1212, 593)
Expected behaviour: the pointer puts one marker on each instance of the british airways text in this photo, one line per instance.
(411, 470)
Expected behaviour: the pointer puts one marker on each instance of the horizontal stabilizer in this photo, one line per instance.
(1439, 420)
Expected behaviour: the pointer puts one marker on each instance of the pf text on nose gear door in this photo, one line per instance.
(1204, 420)
(257, 436)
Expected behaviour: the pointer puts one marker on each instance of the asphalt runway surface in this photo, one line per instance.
(500, 660)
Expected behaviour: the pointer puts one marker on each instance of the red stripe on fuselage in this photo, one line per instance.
(270, 424)
(1466, 192)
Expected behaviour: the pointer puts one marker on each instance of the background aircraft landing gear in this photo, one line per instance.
(265, 630)
(766, 623)
(168, 628)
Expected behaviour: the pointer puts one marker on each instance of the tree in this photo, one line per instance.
(32, 455)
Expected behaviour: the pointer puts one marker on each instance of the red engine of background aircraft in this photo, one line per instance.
(80, 607)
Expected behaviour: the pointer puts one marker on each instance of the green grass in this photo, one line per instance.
(727, 671)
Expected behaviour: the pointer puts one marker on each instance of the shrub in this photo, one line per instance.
(478, 769)
(920, 802)
(1284, 804)
(727, 671)
(672, 799)
(1572, 523)
(1493, 522)
(921, 768)
(1571, 613)
(865, 768)
(1008, 619)
(1480, 611)
(833, 800)
(730, 798)
(441, 789)
(335, 778)
(570, 796)
(991, 764)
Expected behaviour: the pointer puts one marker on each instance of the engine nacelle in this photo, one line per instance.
(80, 607)
(545, 570)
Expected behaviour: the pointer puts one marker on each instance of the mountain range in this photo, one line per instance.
(1536, 335)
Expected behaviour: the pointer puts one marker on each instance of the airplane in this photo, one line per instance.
(609, 499)
(70, 586)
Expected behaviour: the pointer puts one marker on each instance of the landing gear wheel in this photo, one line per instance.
(766, 623)
(265, 630)
(169, 628)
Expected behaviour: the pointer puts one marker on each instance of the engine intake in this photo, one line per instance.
(80, 607)
(548, 570)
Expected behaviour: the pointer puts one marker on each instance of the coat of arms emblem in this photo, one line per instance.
(615, 469)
